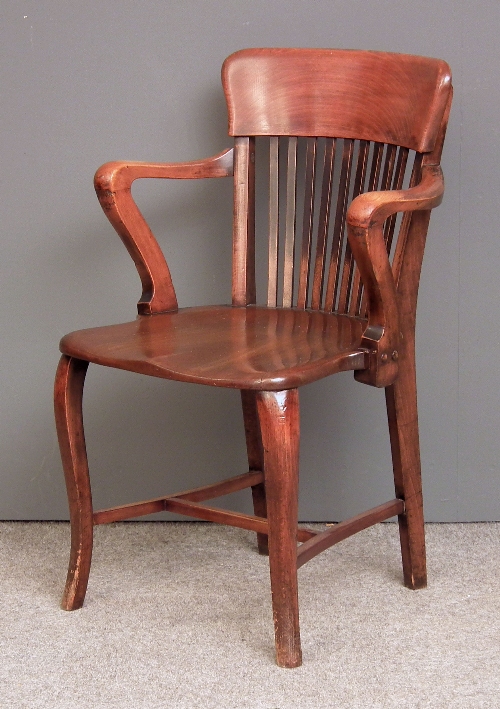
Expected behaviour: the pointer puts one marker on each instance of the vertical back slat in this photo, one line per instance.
(272, 287)
(390, 159)
(357, 287)
(244, 222)
(385, 184)
(291, 192)
(338, 229)
(378, 151)
(363, 304)
(319, 273)
(349, 264)
(397, 184)
(405, 223)
(307, 222)
(324, 219)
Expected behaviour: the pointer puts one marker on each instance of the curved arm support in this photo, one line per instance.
(113, 182)
(365, 220)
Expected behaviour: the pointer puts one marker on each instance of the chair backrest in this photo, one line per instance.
(330, 124)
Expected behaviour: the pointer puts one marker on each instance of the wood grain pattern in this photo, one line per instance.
(307, 223)
(113, 183)
(433, 157)
(389, 162)
(416, 176)
(358, 298)
(347, 121)
(279, 423)
(337, 93)
(366, 216)
(402, 411)
(346, 288)
(242, 348)
(291, 188)
(68, 391)
(243, 289)
(272, 290)
(323, 224)
(338, 229)
(397, 184)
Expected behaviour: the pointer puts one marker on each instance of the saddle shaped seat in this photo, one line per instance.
(243, 348)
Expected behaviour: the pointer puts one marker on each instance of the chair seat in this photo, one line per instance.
(245, 348)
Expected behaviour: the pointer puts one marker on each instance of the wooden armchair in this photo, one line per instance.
(352, 141)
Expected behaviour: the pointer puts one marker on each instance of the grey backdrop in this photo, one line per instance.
(84, 83)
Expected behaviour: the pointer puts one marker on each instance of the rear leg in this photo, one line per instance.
(401, 398)
(255, 460)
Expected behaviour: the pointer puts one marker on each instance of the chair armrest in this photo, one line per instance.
(371, 208)
(365, 219)
(113, 182)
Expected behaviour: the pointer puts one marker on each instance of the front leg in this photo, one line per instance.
(68, 392)
(279, 425)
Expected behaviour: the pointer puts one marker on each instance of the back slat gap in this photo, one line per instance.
(307, 222)
(338, 229)
(405, 224)
(396, 185)
(291, 192)
(272, 286)
(323, 223)
(357, 287)
(349, 263)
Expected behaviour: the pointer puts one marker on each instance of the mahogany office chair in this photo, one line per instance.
(336, 128)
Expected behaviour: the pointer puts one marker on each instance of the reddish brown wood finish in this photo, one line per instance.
(113, 183)
(255, 454)
(335, 254)
(365, 220)
(341, 294)
(279, 423)
(207, 492)
(341, 531)
(244, 222)
(242, 348)
(68, 391)
(390, 98)
(347, 291)
(402, 411)
(323, 225)
(307, 227)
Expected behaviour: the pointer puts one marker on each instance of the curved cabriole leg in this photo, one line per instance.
(68, 393)
(279, 425)
(255, 460)
(401, 398)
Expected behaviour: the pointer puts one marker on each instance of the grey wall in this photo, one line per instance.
(83, 83)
